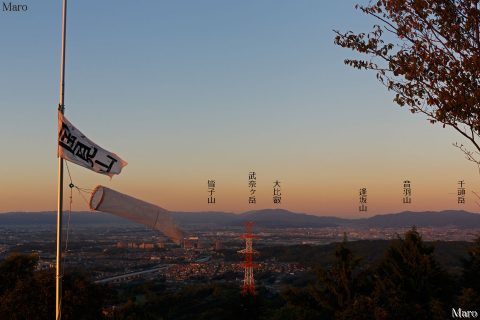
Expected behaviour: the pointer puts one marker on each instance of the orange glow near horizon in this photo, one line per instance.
(337, 198)
(215, 99)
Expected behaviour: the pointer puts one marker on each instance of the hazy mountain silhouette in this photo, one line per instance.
(279, 218)
(204, 218)
(50, 218)
(457, 218)
(270, 218)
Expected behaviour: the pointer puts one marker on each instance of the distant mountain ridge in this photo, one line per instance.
(458, 218)
(281, 218)
(267, 218)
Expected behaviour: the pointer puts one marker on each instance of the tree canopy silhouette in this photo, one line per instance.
(332, 293)
(470, 295)
(29, 294)
(428, 53)
(409, 281)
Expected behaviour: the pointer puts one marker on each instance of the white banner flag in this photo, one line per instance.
(75, 147)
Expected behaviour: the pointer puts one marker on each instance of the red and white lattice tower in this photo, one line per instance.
(248, 281)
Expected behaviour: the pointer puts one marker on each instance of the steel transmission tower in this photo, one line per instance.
(248, 281)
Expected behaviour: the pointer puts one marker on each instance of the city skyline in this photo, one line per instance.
(187, 92)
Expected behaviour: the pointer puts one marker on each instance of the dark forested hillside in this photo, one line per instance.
(405, 278)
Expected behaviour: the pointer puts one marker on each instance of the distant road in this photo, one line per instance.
(132, 275)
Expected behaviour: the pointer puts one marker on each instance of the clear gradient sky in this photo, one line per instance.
(187, 91)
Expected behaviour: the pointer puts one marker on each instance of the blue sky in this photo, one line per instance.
(186, 91)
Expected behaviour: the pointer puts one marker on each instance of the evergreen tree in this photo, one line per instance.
(30, 295)
(14, 268)
(410, 284)
(471, 267)
(469, 298)
(337, 283)
(333, 292)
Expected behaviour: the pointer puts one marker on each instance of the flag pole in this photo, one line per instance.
(61, 108)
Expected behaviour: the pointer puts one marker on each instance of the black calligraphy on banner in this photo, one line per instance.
(77, 148)
(69, 142)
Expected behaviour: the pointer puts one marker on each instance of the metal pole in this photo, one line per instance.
(61, 107)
